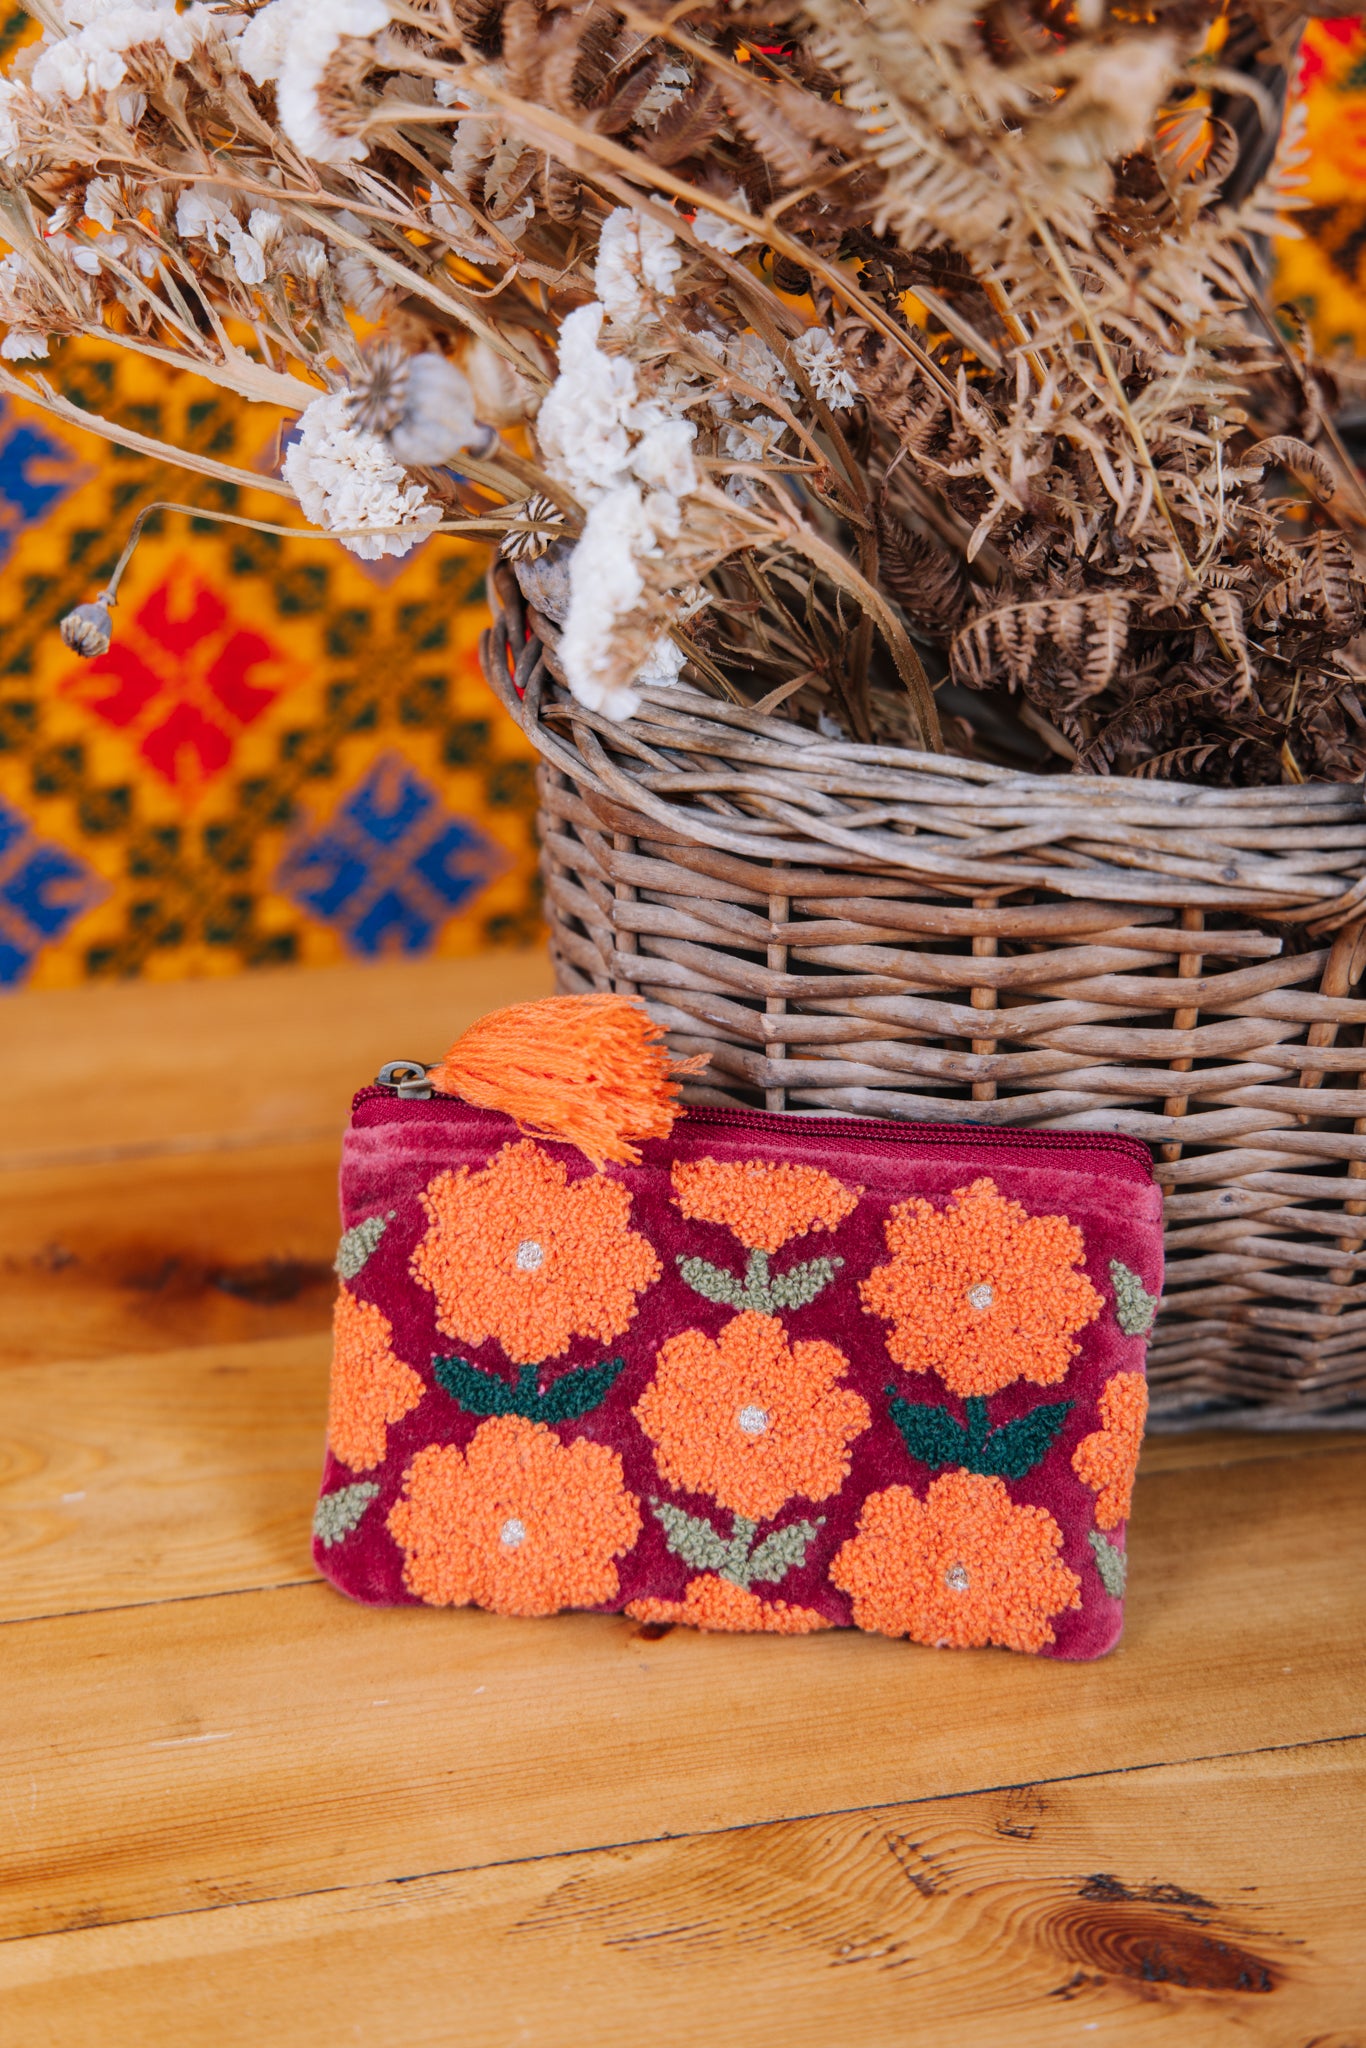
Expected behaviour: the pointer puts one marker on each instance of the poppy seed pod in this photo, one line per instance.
(88, 630)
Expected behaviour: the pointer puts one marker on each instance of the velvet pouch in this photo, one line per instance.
(776, 1372)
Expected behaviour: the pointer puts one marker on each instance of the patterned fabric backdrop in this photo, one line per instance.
(1326, 272)
(287, 754)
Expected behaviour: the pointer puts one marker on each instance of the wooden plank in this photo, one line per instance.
(128, 1480)
(175, 1249)
(222, 1750)
(170, 1474)
(1201, 1903)
(139, 1067)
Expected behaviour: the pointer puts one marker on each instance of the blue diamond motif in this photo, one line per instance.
(43, 890)
(391, 865)
(36, 472)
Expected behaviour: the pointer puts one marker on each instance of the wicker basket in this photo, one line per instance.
(869, 930)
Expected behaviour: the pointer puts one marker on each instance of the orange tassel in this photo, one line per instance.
(590, 1070)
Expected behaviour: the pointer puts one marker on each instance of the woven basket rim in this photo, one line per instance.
(1001, 800)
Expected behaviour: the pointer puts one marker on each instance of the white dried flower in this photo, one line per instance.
(199, 215)
(102, 202)
(583, 427)
(607, 592)
(92, 60)
(667, 90)
(12, 98)
(290, 43)
(267, 225)
(636, 255)
(88, 256)
(723, 234)
(304, 256)
(360, 285)
(826, 368)
(663, 457)
(345, 478)
(23, 345)
(664, 664)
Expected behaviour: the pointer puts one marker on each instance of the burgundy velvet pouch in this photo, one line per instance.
(786, 1373)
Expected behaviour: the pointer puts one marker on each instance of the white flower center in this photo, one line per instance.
(956, 1578)
(512, 1533)
(753, 1420)
(530, 1255)
(982, 1295)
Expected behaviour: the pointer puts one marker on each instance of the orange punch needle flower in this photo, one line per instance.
(1107, 1460)
(520, 1252)
(716, 1603)
(749, 1418)
(964, 1567)
(764, 1203)
(370, 1387)
(519, 1522)
(981, 1292)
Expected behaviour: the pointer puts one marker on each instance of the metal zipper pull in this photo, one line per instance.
(408, 1079)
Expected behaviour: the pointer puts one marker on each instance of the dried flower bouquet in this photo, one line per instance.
(850, 357)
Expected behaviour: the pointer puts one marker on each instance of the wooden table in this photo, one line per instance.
(237, 1809)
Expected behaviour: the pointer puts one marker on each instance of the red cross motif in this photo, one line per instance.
(183, 679)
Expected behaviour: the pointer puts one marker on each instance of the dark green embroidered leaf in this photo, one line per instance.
(358, 1243)
(484, 1393)
(574, 1393)
(692, 1539)
(1111, 1563)
(338, 1513)
(782, 1551)
(1134, 1306)
(801, 1284)
(712, 1283)
(930, 1434)
(487, 1393)
(1017, 1447)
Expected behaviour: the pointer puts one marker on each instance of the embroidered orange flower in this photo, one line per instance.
(1107, 1460)
(982, 1292)
(715, 1603)
(370, 1388)
(750, 1419)
(521, 1253)
(964, 1567)
(763, 1202)
(519, 1522)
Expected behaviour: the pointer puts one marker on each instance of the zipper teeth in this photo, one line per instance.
(876, 1129)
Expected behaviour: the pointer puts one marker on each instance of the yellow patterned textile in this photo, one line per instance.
(1326, 272)
(286, 755)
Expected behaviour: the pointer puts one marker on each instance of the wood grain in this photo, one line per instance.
(221, 1750)
(755, 1842)
(173, 1249)
(139, 1068)
(161, 1477)
(1185, 1905)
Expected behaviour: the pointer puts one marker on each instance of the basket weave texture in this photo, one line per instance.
(868, 930)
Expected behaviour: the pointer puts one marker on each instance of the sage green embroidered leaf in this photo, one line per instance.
(1017, 1447)
(1134, 1306)
(713, 1283)
(1111, 1563)
(564, 1400)
(782, 1551)
(692, 1539)
(358, 1243)
(930, 1434)
(801, 1284)
(338, 1513)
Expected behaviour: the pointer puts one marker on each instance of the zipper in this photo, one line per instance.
(406, 1081)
